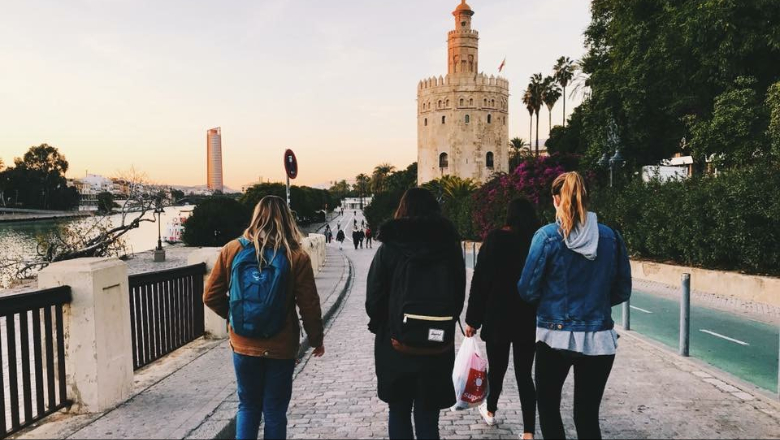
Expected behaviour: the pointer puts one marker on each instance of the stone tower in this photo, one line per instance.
(462, 118)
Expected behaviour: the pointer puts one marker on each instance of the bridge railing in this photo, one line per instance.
(32, 357)
(166, 311)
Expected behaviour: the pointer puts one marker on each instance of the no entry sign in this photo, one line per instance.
(290, 164)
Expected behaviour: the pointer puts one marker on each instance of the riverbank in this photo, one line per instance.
(19, 217)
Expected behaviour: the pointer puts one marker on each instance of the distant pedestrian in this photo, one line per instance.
(340, 237)
(264, 333)
(361, 237)
(576, 271)
(507, 322)
(328, 234)
(416, 289)
(355, 235)
(369, 238)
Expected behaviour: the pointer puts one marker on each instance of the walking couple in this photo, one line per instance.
(546, 292)
(565, 277)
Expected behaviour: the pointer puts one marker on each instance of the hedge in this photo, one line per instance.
(728, 222)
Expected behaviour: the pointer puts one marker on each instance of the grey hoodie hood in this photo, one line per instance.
(584, 238)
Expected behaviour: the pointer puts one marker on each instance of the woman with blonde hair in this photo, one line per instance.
(576, 271)
(256, 284)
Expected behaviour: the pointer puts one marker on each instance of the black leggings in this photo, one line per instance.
(590, 379)
(498, 362)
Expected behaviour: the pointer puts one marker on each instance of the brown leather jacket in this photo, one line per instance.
(301, 291)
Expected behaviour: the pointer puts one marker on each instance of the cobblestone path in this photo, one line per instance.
(651, 394)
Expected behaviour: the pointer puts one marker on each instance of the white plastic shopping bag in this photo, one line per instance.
(470, 376)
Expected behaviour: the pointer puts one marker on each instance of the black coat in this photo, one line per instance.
(425, 379)
(494, 303)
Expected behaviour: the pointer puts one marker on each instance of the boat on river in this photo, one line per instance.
(174, 230)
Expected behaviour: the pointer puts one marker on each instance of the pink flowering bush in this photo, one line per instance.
(531, 179)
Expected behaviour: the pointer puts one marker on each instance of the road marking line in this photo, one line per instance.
(736, 341)
(642, 310)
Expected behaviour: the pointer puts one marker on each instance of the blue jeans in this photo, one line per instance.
(426, 422)
(264, 388)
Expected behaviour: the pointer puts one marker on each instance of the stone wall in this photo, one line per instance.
(748, 288)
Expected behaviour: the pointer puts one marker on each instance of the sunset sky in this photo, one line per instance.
(121, 83)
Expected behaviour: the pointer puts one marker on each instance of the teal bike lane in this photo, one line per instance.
(742, 347)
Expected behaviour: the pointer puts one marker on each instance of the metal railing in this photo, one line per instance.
(32, 354)
(166, 311)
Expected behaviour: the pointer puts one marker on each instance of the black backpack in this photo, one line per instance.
(422, 304)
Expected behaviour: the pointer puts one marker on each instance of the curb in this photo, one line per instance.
(228, 431)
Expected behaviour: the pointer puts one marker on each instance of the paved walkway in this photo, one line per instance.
(175, 397)
(652, 392)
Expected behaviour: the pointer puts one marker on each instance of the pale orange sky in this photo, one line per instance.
(121, 83)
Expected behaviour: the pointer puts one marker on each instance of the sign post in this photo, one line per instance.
(291, 168)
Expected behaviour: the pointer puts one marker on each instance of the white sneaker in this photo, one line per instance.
(491, 421)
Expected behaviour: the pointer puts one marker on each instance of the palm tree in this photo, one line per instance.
(536, 87)
(361, 183)
(563, 73)
(516, 146)
(379, 177)
(456, 189)
(528, 101)
(551, 93)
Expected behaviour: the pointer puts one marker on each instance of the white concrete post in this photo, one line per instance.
(98, 343)
(215, 326)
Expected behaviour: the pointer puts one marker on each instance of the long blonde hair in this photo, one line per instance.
(573, 206)
(273, 226)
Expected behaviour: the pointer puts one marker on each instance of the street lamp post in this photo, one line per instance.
(159, 252)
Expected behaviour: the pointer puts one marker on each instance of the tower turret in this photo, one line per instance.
(463, 43)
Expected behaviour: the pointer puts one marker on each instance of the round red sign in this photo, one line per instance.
(290, 164)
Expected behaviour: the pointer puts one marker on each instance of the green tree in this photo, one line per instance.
(379, 177)
(551, 93)
(735, 135)
(773, 102)
(177, 194)
(655, 66)
(563, 72)
(535, 94)
(37, 180)
(105, 202)
(529, 105)
(362, 186)
(569, 139)
(383, 205)
(516, 146)
(215, 222)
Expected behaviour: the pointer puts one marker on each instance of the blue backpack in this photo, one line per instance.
(258, 298)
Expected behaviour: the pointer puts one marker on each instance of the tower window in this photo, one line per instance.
(443, 119)
(471, 102)
(439, 103)
(490, 119)
(492, 102)
(484, 103)
(468, 119)
(461, 102)
(463, 23)
(489, 159)
(448, 103)
(426, 122)
(444, 160)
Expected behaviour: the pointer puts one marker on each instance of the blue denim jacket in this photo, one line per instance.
(571, 292)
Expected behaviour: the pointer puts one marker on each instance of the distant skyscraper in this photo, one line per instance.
(214, 159)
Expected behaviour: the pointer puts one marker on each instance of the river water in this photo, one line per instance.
(20, 238)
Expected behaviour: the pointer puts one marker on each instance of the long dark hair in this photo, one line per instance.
(417, 202)
(521, 218)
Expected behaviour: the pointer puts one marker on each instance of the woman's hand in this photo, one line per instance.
(470, 331)
(319, 351)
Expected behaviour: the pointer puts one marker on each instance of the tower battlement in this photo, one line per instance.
(462, 116)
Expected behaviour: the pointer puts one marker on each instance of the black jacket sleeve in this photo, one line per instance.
(480, 285)
(460, 277)
(377, 292)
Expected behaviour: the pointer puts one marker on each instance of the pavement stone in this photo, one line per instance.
(652, 393)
